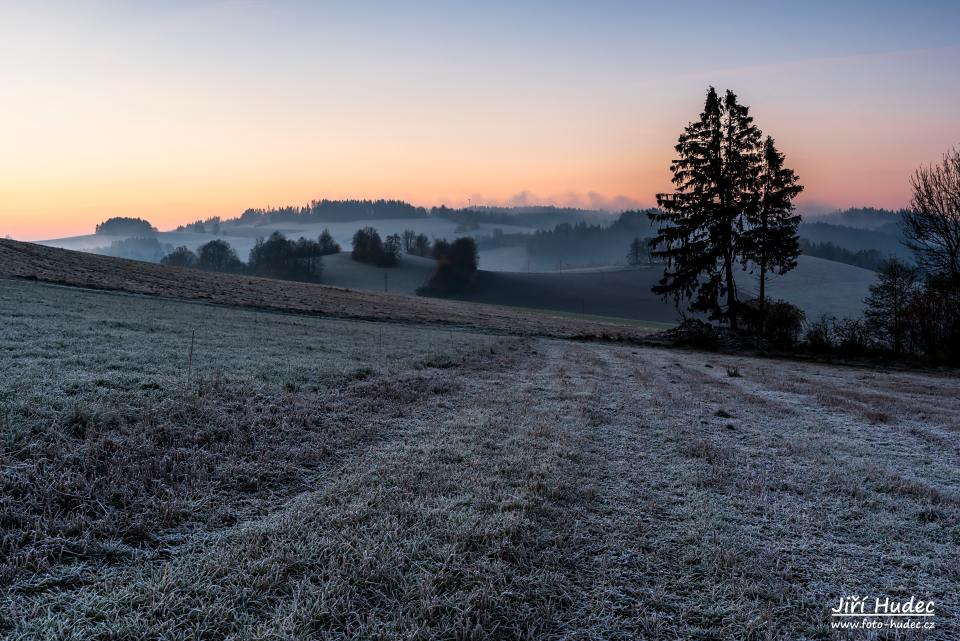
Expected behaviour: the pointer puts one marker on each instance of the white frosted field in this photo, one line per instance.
(449, 484)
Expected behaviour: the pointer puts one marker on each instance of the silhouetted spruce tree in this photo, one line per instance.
(770, 241)
(702, 222)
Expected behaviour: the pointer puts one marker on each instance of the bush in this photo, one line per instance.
(695, 333)
(818, 337)
(780, 324)
(851, 336)
(421, 245)
(845, 336)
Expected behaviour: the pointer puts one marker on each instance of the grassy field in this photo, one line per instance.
(817, 286)
(122, 414)
(298, 478)
(340, 270)
(36, 262)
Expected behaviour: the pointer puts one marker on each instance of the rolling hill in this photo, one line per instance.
(47, 264)
(817, 286)
(339, 270)
(242, 237)
(355, 289)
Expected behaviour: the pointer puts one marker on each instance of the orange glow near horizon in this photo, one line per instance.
(179, 113)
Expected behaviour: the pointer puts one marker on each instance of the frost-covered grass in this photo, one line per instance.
(114, 430)
(543, 489)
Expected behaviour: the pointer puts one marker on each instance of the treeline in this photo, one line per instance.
(886, 240)
(469, 218)
(209, 226)
(866, 218)
(466, 218)
(583, 244)
(913, 309)
(333, 211)
(867, 258)
(273, 257)
(908, 313)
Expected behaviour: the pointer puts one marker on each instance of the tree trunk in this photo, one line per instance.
(763, 283)
(731, 292)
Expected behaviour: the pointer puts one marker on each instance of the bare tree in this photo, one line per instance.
(932, 228)
(409, 241)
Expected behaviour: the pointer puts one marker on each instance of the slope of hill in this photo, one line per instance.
(37, 262)
(885, 220)
(339, 270)
(820, 287)
(817, 286)
(856, 239)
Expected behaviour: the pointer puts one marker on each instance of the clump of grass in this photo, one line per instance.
(733, 372)
(438, 360)
(78, 422)
(362, 373)
(876, 416)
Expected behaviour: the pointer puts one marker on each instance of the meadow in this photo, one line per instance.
(123, 414)
(296, 480)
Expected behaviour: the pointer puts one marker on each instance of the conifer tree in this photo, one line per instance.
(701, 225)
(771, 242)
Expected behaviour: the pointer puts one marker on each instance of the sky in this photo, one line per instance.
(175, 111)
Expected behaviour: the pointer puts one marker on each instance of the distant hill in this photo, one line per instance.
(328, 211)
(886, 220)
(885, 240)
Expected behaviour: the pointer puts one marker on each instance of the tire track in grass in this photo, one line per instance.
(463, 524)
(739, 528)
